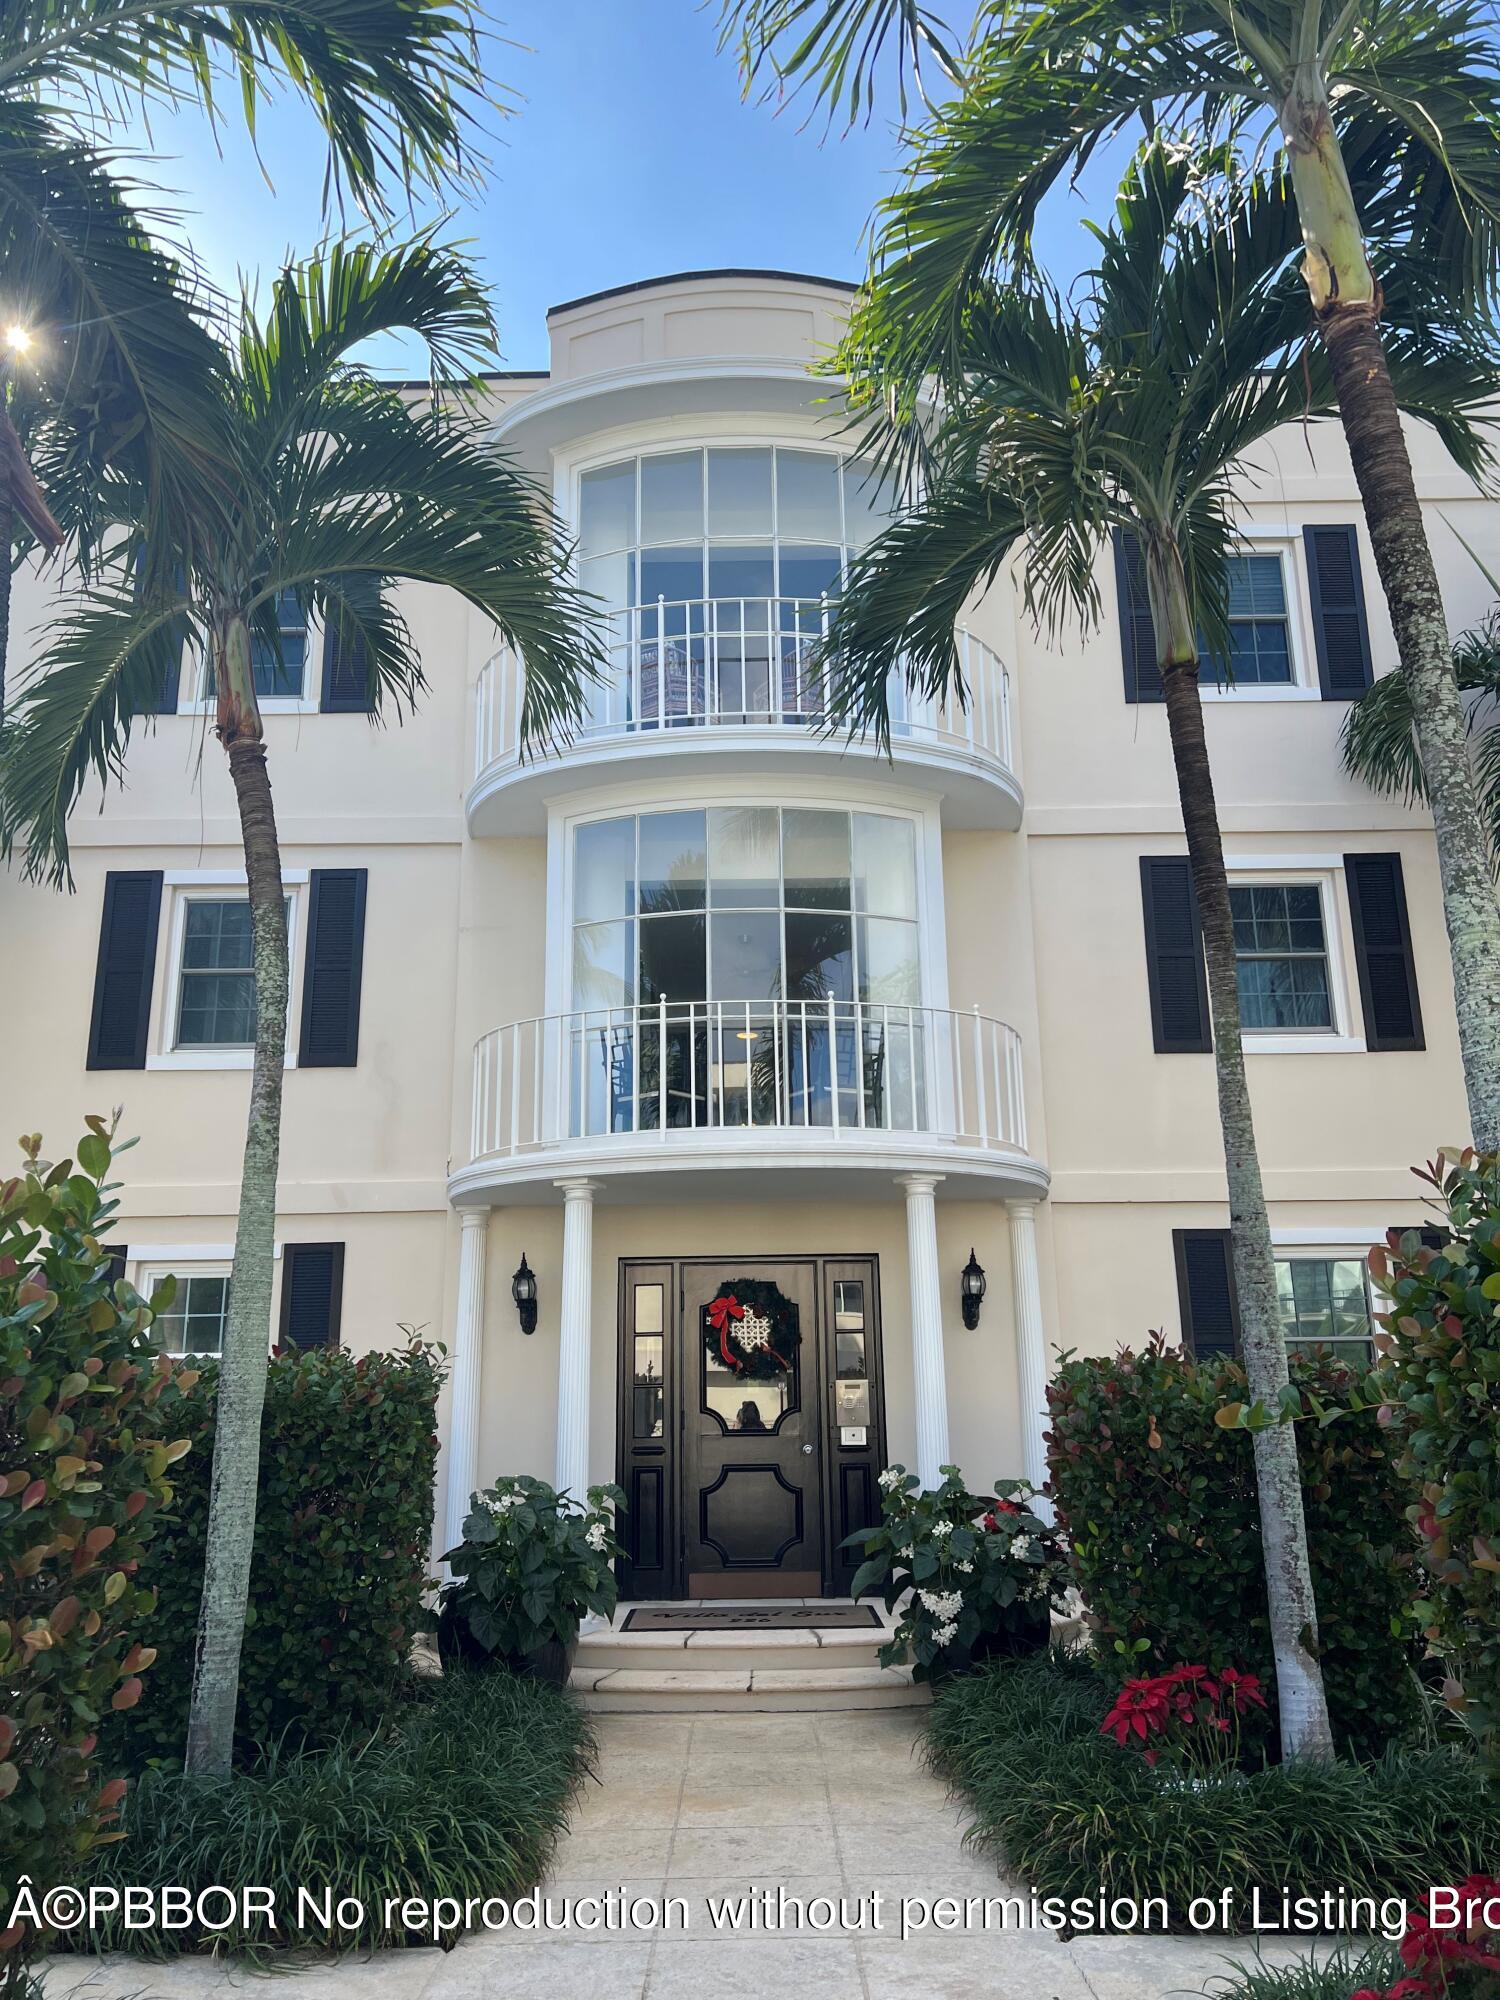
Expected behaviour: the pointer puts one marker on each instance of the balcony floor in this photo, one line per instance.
(745, 1165)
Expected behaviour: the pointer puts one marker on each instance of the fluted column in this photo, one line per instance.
(575, 1337)
(1031, 1343)
(929, 1378)
(468, 1343)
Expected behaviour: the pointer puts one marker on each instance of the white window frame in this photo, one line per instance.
(147, 1266)
(679, 796)
(309, 702)
(1319, 1246)
(1324, 873)
(185, 886)
(1304, 684)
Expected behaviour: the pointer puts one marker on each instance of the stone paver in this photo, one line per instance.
(706, 1807)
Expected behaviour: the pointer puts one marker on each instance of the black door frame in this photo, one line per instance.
(652, 1469)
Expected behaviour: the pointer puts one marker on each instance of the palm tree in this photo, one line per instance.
(1398, 97)
(339, 487)
(1129, 415)
(1379, 736)
(116, 373)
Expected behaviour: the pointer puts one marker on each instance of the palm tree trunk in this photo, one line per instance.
(1347, 301)
(230, 1535)
(1302, 1705)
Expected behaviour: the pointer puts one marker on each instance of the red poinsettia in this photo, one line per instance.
(1451, 1962)
(1189, 1712)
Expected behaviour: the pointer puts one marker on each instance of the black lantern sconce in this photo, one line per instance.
(523, 1291)
(971, 1290)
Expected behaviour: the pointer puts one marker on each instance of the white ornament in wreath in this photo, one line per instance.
(752, 1332)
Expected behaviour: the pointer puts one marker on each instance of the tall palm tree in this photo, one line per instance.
(339, 487)
(1401, 97)
(1131, 414)
(117, 374)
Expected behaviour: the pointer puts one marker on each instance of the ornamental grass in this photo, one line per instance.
(462, 1793)
(1072, 1812)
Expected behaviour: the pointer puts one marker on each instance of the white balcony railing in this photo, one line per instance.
(737, 663)
(769, 1069)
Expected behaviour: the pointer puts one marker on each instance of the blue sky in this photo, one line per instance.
(631, 152)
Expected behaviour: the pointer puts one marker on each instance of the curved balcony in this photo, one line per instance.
(699, 1096)
(739, 680)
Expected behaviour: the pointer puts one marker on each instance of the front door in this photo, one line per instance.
(752, 1469)
(752, 1423)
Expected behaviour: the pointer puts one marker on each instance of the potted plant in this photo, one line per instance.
(531, 1563)
(975, 1576)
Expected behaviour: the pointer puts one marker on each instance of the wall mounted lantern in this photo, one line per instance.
(523, 1291)
(971, 1290)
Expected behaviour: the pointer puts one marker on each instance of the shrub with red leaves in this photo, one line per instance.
(1189, 1715)
(1453, 1952)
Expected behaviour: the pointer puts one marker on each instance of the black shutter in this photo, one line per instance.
(1382, 951)
(1206, 1296)
(166, 699)
(312, 1295)
(126, 970)
(1137, 633)
(333, 973)
(1340, 628)
(1174, 957)
(346, 676)
(116, 1255)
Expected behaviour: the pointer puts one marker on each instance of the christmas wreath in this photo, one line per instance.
(751, 1326)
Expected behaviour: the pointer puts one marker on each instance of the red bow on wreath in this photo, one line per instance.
(720, 1313)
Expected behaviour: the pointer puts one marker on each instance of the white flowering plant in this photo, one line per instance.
(532, 1562)
(971, 1575)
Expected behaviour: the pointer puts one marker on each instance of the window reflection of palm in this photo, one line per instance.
(750, 1418)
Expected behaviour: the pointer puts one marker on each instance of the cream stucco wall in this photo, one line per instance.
(1043, 929)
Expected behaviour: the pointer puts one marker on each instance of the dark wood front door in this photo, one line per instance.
(752, 1468)
(743, 1480)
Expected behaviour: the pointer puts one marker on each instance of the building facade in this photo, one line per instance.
(749, 1041)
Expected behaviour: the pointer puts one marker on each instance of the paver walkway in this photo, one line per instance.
(821, 1805)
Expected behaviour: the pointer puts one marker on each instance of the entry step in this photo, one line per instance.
(806, 1666)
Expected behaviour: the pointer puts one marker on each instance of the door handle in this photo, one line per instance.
(807, 1450)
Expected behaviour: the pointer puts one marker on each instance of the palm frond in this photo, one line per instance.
(835, 48)
(104, 668)
(1379, 739)
(398, 85)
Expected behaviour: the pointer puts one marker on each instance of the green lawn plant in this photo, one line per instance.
(1439, 1389)
(462, 1792)
(531, 1564)
(970, 1573)
(88, 1438)
(1074, 1814)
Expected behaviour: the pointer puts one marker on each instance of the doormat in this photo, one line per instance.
(748, 1617)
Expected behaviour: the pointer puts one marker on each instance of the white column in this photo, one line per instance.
(1031, 1345)
(931, 1399)
(463, 1396)
(575, 1315)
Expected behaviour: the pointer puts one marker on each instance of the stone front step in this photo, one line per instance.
(714, 1668)
(648, 1691)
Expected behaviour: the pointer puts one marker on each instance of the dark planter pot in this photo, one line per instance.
(457, 1647)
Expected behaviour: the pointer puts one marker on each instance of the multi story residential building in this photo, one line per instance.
(708, 1004)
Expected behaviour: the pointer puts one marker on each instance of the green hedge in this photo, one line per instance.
(343, 1537)
(89, 1434)
(1072, 1813)
(1160, 1507)
(461, 1793)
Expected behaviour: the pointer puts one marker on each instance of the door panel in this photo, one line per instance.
(752, 1468)
(648, 1422)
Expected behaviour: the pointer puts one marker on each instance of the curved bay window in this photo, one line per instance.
(715, 566)
(746, 965)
